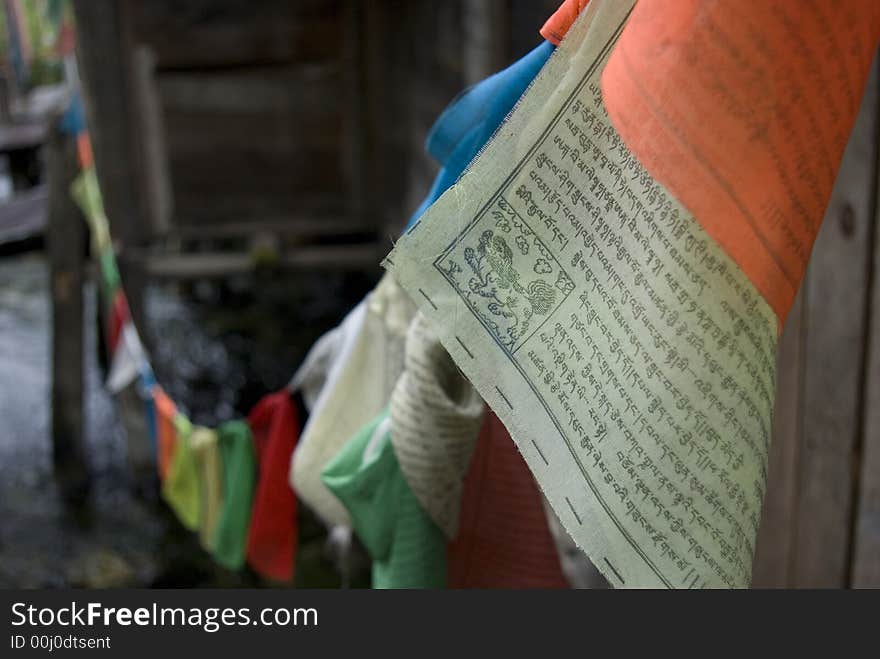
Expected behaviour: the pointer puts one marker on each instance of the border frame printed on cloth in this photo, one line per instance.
(630, 358)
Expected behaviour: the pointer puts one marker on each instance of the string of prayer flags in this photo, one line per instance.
(182, 488)
(416, 505)
(166, 432)
(634, 373)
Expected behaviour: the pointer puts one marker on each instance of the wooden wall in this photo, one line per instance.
(254, 103)
(316, 108)
(821, 523)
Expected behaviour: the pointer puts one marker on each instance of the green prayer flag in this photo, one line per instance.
(239, 481)
(408, 549)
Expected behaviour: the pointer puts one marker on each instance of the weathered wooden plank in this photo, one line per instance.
(276, 134)
(376, 76)
(212, 265)
(156, 169)
(527, 17)
(6, 90)
(486, 32)
(217, 33)
(433, 75)
(302, 228)
(306, 89)
(354, 127)
(775, 546)
(866, 554)
(836, 298)
(19, 136)
(255, 185)
(104, 65)
(245, 207)
(866, 551)
(24, 216)
(66, 242)
(104, 56)
(116, 126)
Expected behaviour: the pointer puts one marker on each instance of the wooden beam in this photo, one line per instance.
(157, 183)
(213, 265)
(22, 136)
(104, 66)
(866, 549)
(526, 18)
(66, 242)
(355, 165)
(836, 304)
(301, 228)
(372, 129)
(117, 123)
(486, 30)
(104, 56)
(25, 215)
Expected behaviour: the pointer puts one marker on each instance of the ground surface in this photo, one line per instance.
(121, 538)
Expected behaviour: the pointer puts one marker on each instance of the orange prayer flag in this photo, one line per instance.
(557, 25)
(743, 110)
(165, 430)
(84, 150)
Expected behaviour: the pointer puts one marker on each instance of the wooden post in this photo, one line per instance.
(821, 512)
(866, 541)
(836, 298)
(486, 48)
(66, 242)
(5, 99)
(105, 57)
(866, 551)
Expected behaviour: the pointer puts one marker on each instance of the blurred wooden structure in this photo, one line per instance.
(66, 240)
(24, 216)
(821, 523)
(219, 130)
(303, 118)
(218, 125)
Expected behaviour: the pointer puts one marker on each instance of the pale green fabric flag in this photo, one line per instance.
(407, 548)
(206, 447)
